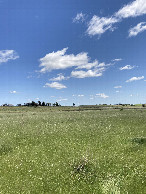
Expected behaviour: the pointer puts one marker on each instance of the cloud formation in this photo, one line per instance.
(6, 55)
(60, 77)
(127, 67)
(141, 27)
(89, 73)
(13, 92)
(55, 85)
(115, 60)
(80, 17)
(99, 25)
(61, 60)
(102, 95)
(135, 79)
(118, 87)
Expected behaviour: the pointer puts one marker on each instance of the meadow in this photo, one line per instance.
(67, 150)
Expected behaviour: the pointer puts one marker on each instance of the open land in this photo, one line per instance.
(72, 150)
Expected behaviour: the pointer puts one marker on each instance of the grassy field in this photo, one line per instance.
(50, 150)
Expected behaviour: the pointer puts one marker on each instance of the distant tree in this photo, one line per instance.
(143, 105)
(43, 104)
(39, 103)
(73, 104)
(57, 104)
(33, 103)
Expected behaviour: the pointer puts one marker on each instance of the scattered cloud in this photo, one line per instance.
(102, 95)
(60, 60)
(64, 99)
(133, 9)
(55, 85)
(118, 87)
(137, 29)
(135, 79)
(6, 55)
(99, 25)
(127, 67)
(115, 60)
(81, 95)
(89, 73)
(80, 17)
(13, 92)
(59, 78)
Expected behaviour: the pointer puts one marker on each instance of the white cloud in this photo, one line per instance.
(98, 26)
(118, 87)
(102, 95)
(89, 73)
(117, 60)
(60, 60)
(55, 85)
(6, 55)
(135, 79)
(81, 95)
(64, 99)
(59, 78)
(13, 92)
(137, 29)
(127, 67)
(136, 8)
(117, 91)
(79, 17)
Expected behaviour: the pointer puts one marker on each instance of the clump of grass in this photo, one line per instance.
(84, 169)
(139, 140)
(5, 149)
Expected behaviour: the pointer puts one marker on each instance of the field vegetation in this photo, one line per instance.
(72, 150)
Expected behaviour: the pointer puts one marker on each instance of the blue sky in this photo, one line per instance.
(86, 52)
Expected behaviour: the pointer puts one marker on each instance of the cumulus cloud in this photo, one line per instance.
(55, 85)
(80, 17)
(81, 95)
(102, 95)
(13, 92)
(60, 77)
(6, 55)
(89, 73)
(135, 79)
(118, 87)
(99, 25)
(60, 60)
(127, 67)
(137, 29)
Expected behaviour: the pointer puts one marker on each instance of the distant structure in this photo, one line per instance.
(7, 105)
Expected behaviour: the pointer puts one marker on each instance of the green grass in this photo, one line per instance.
(48, 150)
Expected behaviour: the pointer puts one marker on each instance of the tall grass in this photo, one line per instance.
(46, 150)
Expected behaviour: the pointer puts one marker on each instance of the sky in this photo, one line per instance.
(76, 51)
